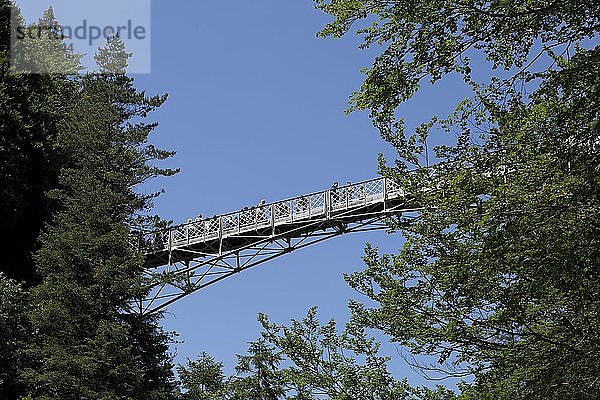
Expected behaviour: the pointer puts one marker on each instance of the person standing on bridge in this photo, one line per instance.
(260, 211)
(335, 196)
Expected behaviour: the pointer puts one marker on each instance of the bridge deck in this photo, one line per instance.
(296, 216)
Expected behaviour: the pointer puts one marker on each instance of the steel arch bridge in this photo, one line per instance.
(183, 259)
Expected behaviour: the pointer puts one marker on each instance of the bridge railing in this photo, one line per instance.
(262, 216)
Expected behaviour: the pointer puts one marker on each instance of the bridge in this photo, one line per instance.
(183, 259)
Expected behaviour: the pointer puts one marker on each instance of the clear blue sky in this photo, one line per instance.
(256, 109)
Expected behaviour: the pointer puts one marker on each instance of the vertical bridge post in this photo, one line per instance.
(273, 219)
(385, 194)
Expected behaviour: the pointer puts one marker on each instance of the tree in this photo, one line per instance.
(41, 49)
(498, 276)
(112, 59)
(202, 379)
(303, 361)
(258, 373)
(87, 342)
(32, 106)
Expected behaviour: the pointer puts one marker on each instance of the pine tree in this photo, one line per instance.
(43, 50)
(31, 109)
(87, 343)
(202, 379)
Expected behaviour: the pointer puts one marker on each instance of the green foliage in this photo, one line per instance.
(112, 59)
(13, 336)
(73, 149)
(258, 374)
(42, 49)
(31, 109)
(202, 379)
(87, 345)
(304, 361)
(498, 279)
